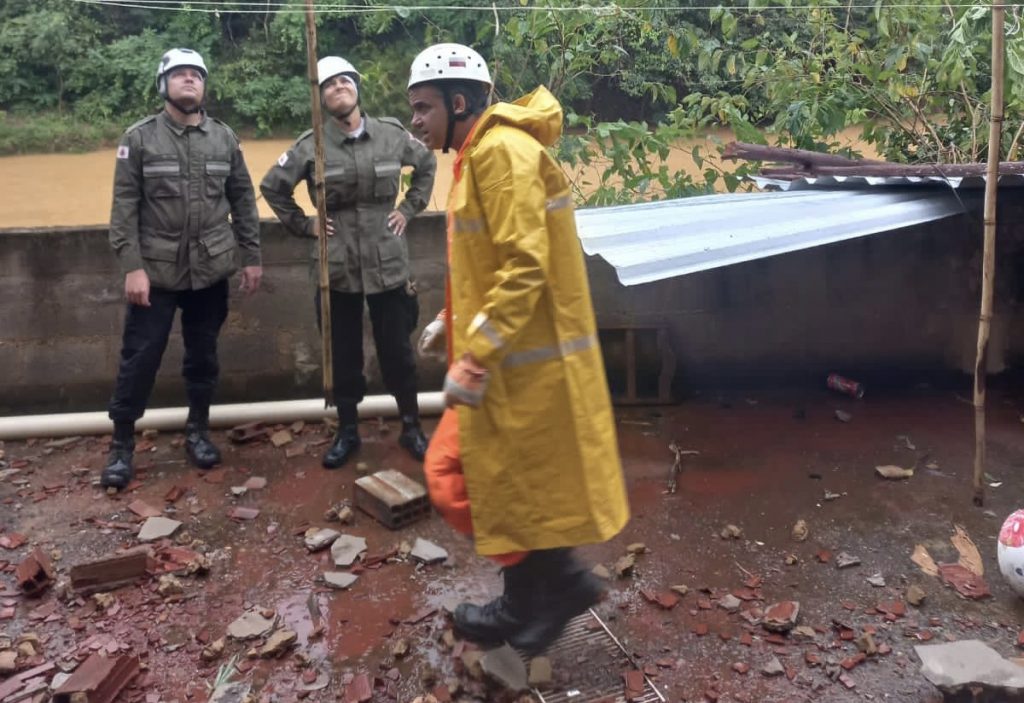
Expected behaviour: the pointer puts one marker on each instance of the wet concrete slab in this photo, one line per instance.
(766, 460)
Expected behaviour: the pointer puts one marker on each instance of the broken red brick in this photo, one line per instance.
(99, 678)
(634, 683)
(848, 604)
(967, 583)
(34, 573)
(746, 594)
(665, 663)
(442, 694)
(700, 629)
(896, 608)
(242, 513)
(847, 681)
(884, 649)
(812, 659)
(174, 494)
(12, 540)
(109, 572)
(853, 661)
(925, 635)
(824, 556)
(144, 509)
(746, 639)
(7, 613)
(360, 690)
(650, 670)
(741, 667)
(704, 603)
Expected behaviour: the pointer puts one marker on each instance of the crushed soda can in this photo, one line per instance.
(845, 385)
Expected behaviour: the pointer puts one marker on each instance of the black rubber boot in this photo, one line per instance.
(568, 589)
(119, 472)
(346, 443)
(412, 438)
(497, 621)
(200, 450)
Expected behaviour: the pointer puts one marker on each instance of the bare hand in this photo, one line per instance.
(136, 287)
(397, 223)
(316, 227)
(251, 276)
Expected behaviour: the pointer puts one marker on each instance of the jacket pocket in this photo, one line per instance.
(219, 257)
(160, 256)
(339, 186)
(385, 179)
(162, 178)
(217, 173)
(394, 267)
(159, 246)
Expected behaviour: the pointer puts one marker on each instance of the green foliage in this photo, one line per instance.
(634, 78)
(27, 134)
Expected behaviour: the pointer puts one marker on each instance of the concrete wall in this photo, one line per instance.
(902, 304)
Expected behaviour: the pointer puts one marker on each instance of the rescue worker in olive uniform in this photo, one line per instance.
(525, 458)
(183, 220)
(367, 253)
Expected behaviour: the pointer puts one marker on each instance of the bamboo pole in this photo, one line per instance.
(988, 266)
(321, 208)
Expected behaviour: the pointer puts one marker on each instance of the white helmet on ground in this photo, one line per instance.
(177, 58)
(330, 66)
(449, 62)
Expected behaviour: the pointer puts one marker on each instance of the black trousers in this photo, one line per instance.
(146, 331)
(393, 315)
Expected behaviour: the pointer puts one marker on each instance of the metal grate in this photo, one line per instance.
(593, 660)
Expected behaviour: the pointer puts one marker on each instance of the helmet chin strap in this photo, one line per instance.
(452, 118)
(186, 110)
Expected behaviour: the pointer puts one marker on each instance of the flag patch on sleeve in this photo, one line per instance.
(122, 151)
(282, 159)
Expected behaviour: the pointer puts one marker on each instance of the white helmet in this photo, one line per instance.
(449, 62)
(330, 66)
(177, 58)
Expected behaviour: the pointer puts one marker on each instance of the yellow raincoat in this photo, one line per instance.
(540, 456)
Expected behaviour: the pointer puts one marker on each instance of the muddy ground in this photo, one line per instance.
(766, 460)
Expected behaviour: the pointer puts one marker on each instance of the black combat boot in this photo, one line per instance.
(118, 472)
(200, 450)
(412, 438)
(567, 588)
(497, 621)
(346, 443)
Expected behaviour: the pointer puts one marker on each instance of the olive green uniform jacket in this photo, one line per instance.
(362, 177)
(184, 207)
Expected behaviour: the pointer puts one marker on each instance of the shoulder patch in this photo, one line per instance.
(228, 129)
(143, 121)
(393, 122)
(122, 151)
(282, 159)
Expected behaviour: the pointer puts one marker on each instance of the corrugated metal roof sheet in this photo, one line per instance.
(958, 183)
(650, 241)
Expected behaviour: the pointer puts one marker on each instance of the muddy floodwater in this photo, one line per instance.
(75, 189)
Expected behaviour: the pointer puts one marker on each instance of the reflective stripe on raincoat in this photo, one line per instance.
(540, 455)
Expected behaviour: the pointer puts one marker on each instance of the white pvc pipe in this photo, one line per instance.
(72, 424)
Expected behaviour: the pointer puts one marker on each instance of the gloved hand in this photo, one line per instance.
(465, 383)
(432, 340)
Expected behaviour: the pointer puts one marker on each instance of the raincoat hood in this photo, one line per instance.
(537, 113)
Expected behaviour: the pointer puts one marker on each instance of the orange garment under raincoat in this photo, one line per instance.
(540, 456)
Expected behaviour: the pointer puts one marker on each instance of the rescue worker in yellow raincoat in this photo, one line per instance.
(525, 458)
